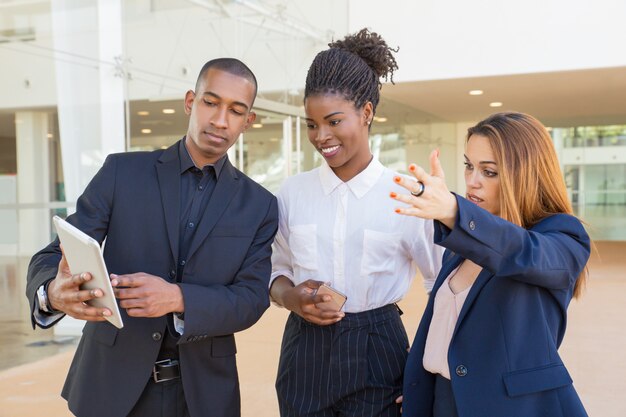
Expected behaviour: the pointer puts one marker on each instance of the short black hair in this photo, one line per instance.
(230, 65)
(352, 67)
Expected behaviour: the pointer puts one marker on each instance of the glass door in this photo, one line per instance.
(265, 151)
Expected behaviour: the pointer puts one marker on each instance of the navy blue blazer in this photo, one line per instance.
(134, 202)
(503, 355)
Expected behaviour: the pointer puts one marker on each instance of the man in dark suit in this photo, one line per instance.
(188, 240)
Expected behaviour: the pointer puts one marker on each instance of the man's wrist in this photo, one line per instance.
(179, 307)
(50, 306)
(44, 301)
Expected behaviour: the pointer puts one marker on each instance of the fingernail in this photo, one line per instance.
(106, 313)
(397, 179)
(393, 195)
(97, 293)
(83, 275)
(114, 282)
(397, 210)
(412, 167)
(326, 298)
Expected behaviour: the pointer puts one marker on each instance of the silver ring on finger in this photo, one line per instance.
(420, 191)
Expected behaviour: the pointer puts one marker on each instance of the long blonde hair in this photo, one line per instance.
(532, 186)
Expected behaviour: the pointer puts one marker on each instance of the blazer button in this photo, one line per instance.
(156, 336)
(461, 370)
(172, 274)
(472, 225)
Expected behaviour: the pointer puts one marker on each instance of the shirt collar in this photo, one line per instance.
(186, 162)
(359, 185)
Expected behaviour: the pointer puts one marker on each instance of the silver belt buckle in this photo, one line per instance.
(155, 372)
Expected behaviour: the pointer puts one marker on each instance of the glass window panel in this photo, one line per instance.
(264, 150)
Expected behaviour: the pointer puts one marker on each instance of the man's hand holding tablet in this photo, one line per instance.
(82, 288)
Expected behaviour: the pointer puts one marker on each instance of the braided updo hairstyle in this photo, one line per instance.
(352, 67)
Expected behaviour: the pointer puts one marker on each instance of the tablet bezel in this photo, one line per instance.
(83, 254)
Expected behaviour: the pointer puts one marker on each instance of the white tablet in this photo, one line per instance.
(83, 254)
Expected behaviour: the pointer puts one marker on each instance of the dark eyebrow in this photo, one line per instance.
(236, 103)
(325, 117)
(480, 162)
(332, 114)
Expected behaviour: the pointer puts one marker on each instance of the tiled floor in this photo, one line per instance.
(593, 348)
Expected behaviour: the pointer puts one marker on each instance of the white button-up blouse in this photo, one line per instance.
(349, 235)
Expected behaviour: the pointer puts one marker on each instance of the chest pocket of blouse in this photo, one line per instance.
(380, 251)
(303, 245)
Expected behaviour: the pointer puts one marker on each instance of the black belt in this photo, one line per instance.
(165, 370)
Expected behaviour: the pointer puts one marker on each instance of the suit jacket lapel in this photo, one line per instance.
(483, 277)
(168, 173)
(450, 262)
(225, 189)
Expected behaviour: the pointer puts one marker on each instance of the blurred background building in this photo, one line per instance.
(84, 78)
(80, 79)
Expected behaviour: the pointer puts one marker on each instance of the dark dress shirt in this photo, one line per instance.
(196, 188)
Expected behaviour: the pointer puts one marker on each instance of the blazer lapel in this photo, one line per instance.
(168, 173)
(450, 261)
(225, 189)
(483, 277)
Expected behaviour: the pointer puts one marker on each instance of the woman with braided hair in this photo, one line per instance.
(345, 360)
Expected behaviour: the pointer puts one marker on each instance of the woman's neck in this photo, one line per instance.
(348, 171)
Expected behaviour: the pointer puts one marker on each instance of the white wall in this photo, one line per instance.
(27, 70)
(160, 44)
(442, 39)
(438, 39)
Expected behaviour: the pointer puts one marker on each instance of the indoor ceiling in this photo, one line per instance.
(160, 123)
(168, 119)
(558, 99)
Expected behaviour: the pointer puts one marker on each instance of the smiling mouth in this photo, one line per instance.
(329, 150)
(474, 199)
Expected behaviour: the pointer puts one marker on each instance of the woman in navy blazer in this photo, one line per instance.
(515, 258)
